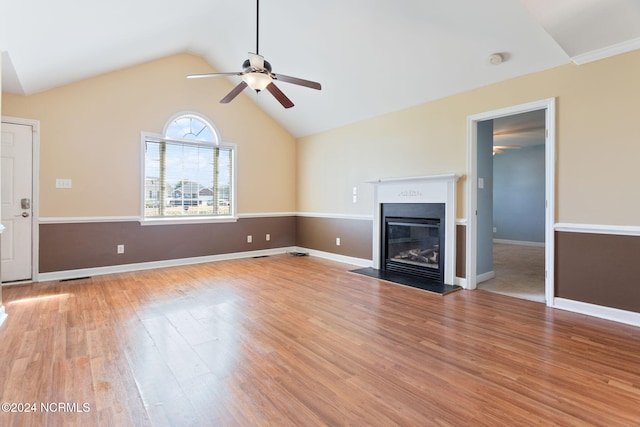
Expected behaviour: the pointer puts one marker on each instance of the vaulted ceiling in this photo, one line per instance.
(371, 56)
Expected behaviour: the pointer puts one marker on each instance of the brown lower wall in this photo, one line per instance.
(461, 251)
(73, 246)
(356, 238)
(600, 269)
(356, 235)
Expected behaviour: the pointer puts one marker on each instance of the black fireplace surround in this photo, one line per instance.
(412, 239)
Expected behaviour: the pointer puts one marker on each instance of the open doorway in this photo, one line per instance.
(517, 165)
(502, 245)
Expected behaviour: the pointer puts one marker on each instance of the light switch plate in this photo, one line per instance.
(63, 183)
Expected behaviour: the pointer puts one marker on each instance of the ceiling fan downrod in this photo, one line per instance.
(257, 74)
(257, 26)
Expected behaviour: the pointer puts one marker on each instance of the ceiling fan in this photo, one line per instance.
(257, 74)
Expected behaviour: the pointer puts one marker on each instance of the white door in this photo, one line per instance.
(16, 196)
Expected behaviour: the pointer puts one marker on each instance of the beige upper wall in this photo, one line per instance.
(597, 144)
(90, 133)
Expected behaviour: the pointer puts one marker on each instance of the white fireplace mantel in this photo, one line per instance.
(419, 189)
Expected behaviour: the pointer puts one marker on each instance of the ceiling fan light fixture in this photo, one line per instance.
(257, 81)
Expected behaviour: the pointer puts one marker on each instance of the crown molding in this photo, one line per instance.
(606, 52)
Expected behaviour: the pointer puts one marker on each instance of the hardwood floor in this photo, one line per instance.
(300, 341)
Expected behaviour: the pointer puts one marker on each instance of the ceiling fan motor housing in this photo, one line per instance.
(246, 66)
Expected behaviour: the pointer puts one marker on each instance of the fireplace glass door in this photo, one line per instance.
(413, 246)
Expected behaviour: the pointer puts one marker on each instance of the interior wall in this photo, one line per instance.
(74, 246)
(596, 107)
(90, 133)
(484, 251)
(519, 194)
(356, 236)
(425, 140)
(599, 269)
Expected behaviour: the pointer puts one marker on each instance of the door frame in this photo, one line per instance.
(549, 105)
(35, 189)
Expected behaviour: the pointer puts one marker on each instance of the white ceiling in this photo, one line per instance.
(371, 56)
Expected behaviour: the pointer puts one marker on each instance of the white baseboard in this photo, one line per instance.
(3, 315)
(485, 276)
(519, 243)
(124, 268)
(360, 262)
(608, 313)
(462, 282)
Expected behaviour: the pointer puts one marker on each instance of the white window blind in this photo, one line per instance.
(187, 178)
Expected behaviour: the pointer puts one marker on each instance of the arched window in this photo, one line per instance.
(191, 126)
(188, 172)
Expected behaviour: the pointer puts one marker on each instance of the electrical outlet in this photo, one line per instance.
(337, 241)
(267, 237)
(249, 238)
(120, 249)
(495, 229)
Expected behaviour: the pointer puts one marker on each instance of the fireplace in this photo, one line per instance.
(415, 212)
(413, 239)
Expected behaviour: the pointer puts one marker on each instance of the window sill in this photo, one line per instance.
(188, 220)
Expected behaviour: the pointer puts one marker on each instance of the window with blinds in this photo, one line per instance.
(188, 176)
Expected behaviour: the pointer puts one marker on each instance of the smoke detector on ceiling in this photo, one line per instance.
(496, 59)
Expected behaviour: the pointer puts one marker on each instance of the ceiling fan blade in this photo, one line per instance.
(200, 76)
(256, 61)
(281, 97)
(297, 81)
(235, 92)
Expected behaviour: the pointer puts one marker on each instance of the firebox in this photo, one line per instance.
(413, 238)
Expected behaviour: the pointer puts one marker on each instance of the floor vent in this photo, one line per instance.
(75, 278)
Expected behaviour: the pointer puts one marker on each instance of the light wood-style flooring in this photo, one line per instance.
(300, 341)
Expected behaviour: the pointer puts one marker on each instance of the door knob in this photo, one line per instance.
(24, 214)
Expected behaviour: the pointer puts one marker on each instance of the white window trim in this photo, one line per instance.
(232, 217)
